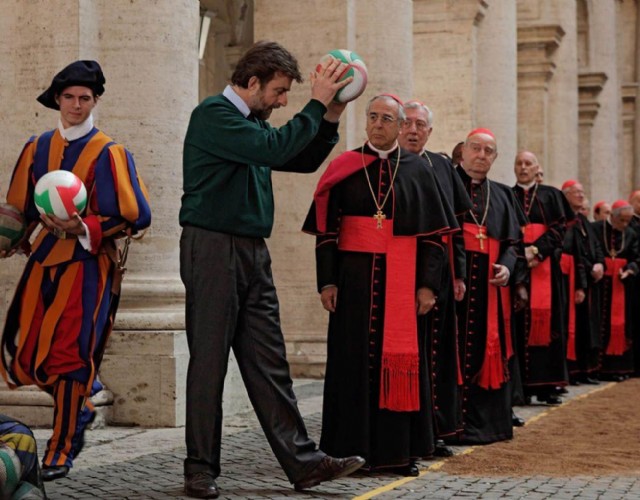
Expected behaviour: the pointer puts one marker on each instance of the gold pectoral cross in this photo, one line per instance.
(481, 236)
(379, 217)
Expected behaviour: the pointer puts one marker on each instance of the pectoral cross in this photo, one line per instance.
(379, 217)
(481, 236)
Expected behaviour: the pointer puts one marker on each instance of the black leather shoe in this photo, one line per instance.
(442, 450)
(551, 399)
(52, 472)
(590, 381)
(516, 421)
(410, 470)
(200, 485)
(329, 468)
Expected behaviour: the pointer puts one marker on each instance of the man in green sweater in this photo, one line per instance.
(227, 211)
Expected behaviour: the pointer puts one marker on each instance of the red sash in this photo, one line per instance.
(399, 376)
(567, 265)
(540, 294)
(617, 340)
(492, 373)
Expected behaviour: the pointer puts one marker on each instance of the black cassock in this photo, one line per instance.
(486, 412)
(581, 241)
(625, 244)
(635, 225)
(352, 422)
(544, 367)
(442, 347)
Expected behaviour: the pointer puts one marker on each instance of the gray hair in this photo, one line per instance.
(401, 114)
(419, 105)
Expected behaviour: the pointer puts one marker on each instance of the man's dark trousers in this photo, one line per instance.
(231, 302)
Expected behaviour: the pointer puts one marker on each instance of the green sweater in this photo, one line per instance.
(228, 159)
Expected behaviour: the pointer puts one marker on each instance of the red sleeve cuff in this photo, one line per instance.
(95, 232)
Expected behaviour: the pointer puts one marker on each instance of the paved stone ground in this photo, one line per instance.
(134, 463)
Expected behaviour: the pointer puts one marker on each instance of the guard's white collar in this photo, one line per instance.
(76, 131)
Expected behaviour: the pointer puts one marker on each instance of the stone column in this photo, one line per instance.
(536, 46)
(563, 97)
(149, 57)
(497, 90)
(475, 88)
(610, 175)
(445, 54)
(590, 86)
(380, 32)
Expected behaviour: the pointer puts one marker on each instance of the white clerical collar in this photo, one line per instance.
(383, 154)
(236, 100)
(76, 131)
(526, 187)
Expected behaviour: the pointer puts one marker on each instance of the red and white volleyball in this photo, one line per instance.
(355, 68)
(12, 226)
(60, 193)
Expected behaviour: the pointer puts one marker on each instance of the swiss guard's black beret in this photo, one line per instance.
(82, 73)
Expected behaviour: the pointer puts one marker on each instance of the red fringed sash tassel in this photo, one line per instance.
(617, 341)
(399, 377)
(568, 268)
(492, 372)
(540, 292)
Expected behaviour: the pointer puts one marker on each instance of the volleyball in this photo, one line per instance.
(12, 226)
(356, 68)
(60, 193)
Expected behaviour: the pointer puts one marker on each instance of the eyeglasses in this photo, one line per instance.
(385, 119)
(420, 125)
(477, 148)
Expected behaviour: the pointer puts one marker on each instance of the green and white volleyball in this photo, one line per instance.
(356, 68)
(12, 226)
(60, 193)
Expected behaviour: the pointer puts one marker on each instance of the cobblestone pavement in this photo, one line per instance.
(134, 463)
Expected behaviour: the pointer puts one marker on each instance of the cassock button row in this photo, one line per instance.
(469, 344)
(436, 407)
(468, 365)
(435, 330)
(435, 352)
(470, 332)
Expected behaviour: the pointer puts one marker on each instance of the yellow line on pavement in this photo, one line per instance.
(388, 487)
(438, 465)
